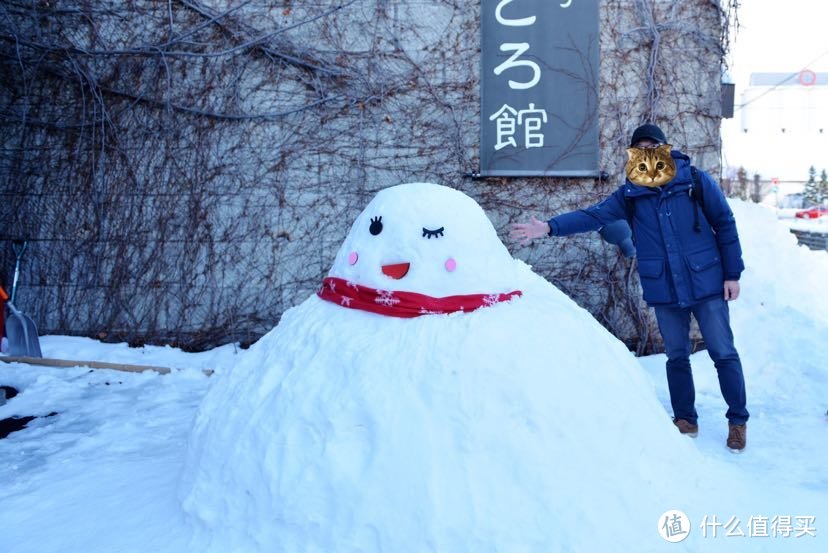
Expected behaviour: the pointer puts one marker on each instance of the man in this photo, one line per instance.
(689, 261)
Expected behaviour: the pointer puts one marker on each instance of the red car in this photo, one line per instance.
(812, 213)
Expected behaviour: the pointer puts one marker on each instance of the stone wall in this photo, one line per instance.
(185, 172)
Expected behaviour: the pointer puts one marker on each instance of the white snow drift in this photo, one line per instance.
(343, 430)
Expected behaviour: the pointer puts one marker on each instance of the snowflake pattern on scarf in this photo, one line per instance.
(386, 298)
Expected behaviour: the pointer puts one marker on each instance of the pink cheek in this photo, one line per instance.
(353, 257)
(451, 264)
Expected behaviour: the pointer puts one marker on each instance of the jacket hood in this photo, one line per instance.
(683, 178)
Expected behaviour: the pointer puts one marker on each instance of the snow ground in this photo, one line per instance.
(102, 475)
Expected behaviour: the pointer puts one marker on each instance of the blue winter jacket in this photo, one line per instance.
(678, 266)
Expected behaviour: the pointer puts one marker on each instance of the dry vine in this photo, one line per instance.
(184, 171)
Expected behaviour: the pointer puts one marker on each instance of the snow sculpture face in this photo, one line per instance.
(425, 238)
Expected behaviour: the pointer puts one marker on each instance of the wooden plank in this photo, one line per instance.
(48, 362)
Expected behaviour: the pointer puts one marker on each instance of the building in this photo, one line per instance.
(184, 176)
(783, 128)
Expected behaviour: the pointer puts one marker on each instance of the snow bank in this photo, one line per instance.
(779, 272)
(781, 319)
(512, 428)
(520, 427)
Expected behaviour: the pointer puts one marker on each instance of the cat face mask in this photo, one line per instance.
(651, 166)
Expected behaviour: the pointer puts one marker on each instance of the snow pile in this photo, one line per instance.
(518, 427)
(783, 293)
(780, 274)
(512, 428)
(780, 324)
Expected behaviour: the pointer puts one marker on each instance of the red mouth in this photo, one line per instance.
(396, 271)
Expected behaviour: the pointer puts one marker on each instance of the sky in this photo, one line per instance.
(775, 37)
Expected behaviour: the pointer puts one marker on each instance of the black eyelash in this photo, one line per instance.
(435, 233)
(376, 225)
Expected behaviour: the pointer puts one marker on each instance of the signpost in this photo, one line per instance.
(539, 88)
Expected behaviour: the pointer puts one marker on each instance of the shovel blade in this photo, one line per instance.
(22, 334)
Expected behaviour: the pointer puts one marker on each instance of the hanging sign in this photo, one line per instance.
(539, 88)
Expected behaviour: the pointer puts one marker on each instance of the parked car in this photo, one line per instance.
(812, 213)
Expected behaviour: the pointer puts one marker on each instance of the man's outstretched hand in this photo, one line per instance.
(524, 232)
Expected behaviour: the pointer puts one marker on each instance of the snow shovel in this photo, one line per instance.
(19, 246)
(21, 331)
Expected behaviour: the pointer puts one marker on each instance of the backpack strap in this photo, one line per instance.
(696, 194)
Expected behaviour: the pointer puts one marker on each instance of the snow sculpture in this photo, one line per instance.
(513, 422)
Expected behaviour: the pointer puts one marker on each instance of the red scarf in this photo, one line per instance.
(403, 304)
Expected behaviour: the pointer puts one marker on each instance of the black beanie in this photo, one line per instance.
(648, 131)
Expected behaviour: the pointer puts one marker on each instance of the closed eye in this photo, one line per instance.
(435, 233)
